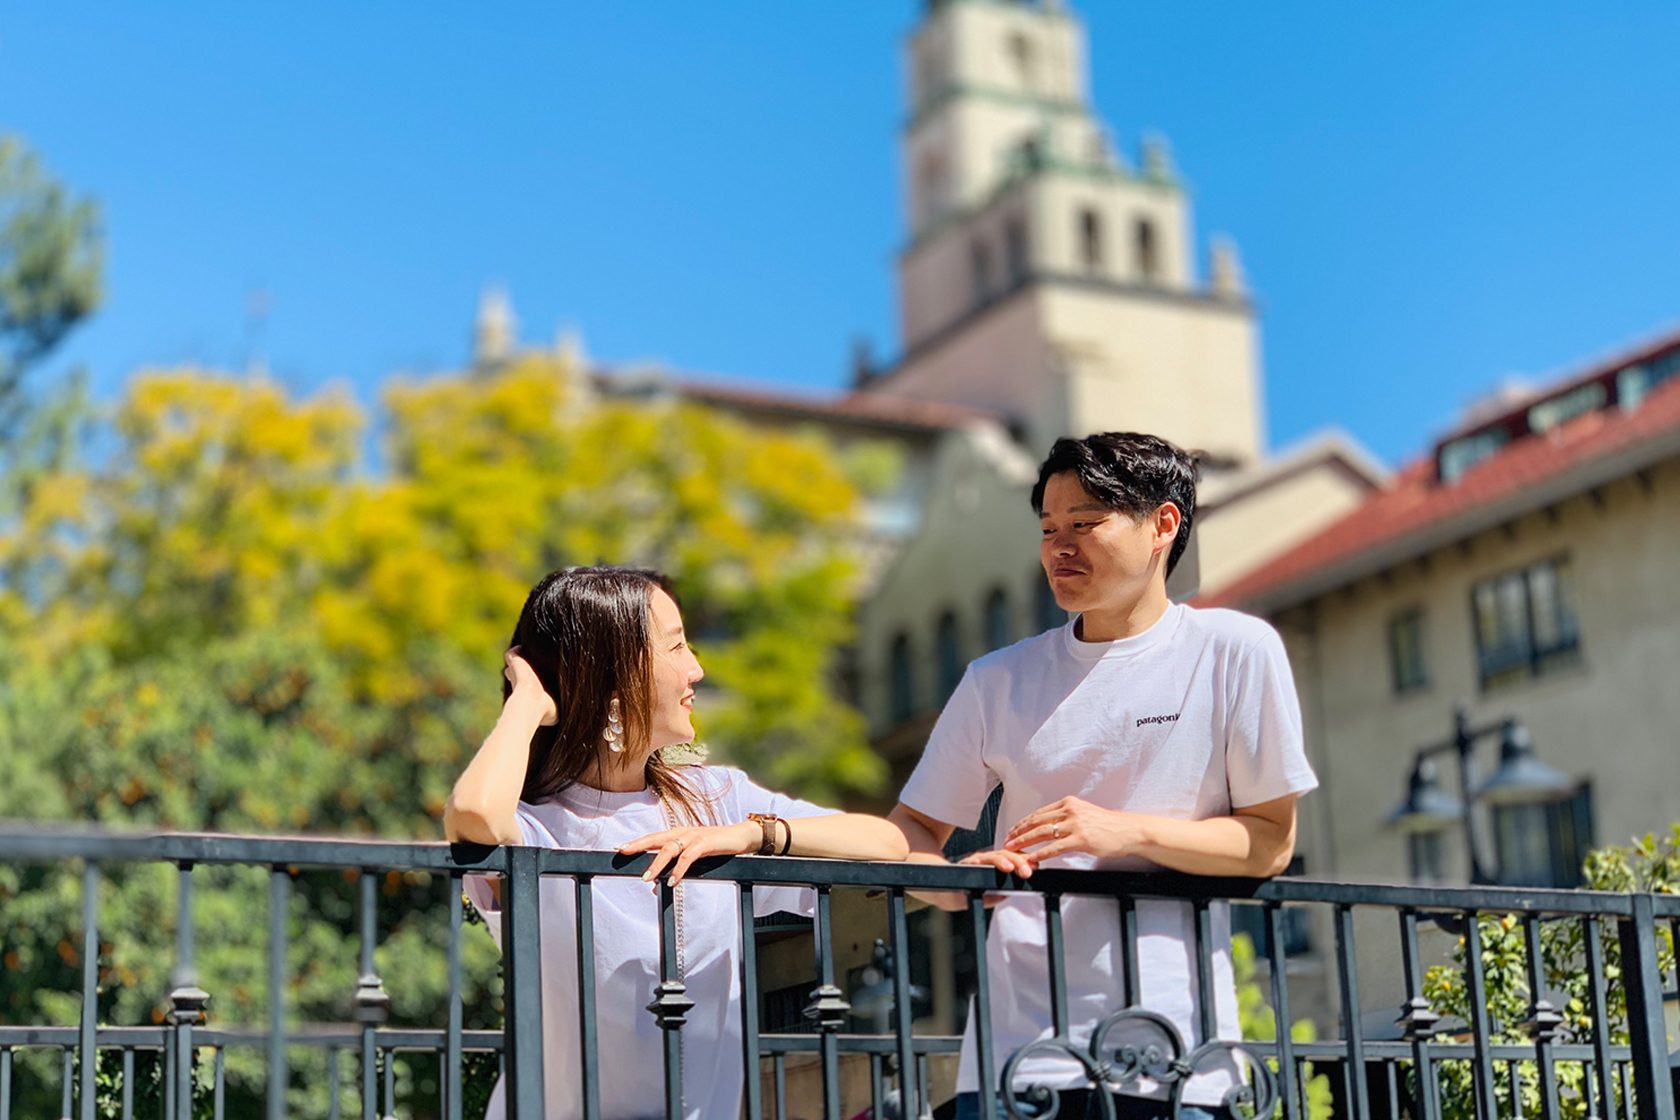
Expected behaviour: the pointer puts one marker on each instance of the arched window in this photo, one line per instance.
(948, 656)
(1026, 65)
(902, 679)
(980, 272)
(998, 631)
(1090, 240)
(1015, 250)
(1050, 616)
(1143, 237)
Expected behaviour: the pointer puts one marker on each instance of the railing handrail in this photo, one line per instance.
(35, 842)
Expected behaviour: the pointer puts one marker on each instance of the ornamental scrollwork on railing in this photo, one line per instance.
(1113, 1068)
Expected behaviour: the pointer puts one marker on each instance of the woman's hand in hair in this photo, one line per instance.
(678, 848)
(525, 684)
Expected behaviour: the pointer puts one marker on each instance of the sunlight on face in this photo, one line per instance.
(675, 672)
(1094, 556)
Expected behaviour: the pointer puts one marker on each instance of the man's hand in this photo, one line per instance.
(1075, 825)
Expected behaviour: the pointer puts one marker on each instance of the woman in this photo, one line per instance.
(599, 680)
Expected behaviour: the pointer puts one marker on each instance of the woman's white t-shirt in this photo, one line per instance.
(1191, 719)
(630, 1043)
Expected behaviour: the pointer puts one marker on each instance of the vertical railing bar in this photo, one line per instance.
(335, 1088)
(1390, 1081)
(903, 1013)
(752, 1079)
(828, 1017)
(128, 1083)
(1604, 1070)
(522, 1047)
(279, 894)
(1481, 1029)
(1207, 1022)
(367, 908)
(1516, 1089)
(922, 1078)
(588, 1040)
(670, 982)
(877, 1098)
(1289, 1083)
(1541, 1010)
(779, 1068)
(390, 1082)
(1642, 979)
(1348, 968)
(89, 1041)
(1129, 950)
(443, 1083)
(69, 1079)
(1057, 956)
(186, 1000)
(6, 1084)
(984, 1059)
(218, 1087)
(449, 1082)
(167, 1080)
(1417, 1017)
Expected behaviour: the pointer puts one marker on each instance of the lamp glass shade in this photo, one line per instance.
(1522, 778)
(1427, 807)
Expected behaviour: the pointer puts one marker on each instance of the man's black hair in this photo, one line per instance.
(1130, 472)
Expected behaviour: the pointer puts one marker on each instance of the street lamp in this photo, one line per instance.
(1522, 784)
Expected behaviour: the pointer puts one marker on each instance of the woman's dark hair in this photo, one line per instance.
(585, 632)
(1130, 472)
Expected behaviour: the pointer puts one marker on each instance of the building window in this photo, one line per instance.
(1143, 240)
(1021, 55)
(948, 653)
(1015, 250)
(1090, 240)
(998, 631)
(903, 683)
(1050, 616)
(1423, 857)
(1406, 650)
(1544, 845)
(980, 272)
(1525, 622)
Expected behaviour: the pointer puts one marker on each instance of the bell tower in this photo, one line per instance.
(1045, 276)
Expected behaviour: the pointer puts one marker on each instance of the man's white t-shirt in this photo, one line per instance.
(1190, 719)
(630, 1043)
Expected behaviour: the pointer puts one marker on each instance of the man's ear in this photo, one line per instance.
(1165, 523)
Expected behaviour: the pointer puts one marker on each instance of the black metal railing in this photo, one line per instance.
(1374, 1077)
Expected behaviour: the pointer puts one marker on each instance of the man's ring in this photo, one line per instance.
(1056, 831)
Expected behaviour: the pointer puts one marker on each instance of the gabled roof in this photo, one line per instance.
(1420, 512)
(859, 408)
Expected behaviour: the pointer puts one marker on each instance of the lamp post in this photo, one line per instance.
(1520, 780)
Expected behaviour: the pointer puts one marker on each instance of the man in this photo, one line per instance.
(1142, 735)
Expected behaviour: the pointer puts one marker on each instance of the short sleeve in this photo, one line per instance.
(1265, 752)
(951, 782)
(477, 887)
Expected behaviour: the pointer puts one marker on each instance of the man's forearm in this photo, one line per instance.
(1239, 845)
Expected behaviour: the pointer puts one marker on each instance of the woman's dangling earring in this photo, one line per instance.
(614, 733)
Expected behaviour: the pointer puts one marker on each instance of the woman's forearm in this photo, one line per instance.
(846, 836)
(482, 807)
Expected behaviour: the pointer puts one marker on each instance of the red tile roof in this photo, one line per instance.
(1417, 501)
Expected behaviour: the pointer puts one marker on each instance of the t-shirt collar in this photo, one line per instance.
(1162, 629)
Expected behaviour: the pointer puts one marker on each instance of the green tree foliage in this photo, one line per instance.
(50, 269)
(221, 617)
(1650, 864)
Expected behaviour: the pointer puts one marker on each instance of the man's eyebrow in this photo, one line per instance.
(1092, 508)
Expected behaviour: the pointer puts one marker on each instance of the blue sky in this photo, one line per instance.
(1429, 198)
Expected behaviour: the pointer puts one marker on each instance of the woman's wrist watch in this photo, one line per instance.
(767, 822)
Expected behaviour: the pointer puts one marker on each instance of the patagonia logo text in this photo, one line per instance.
(1157, 719)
